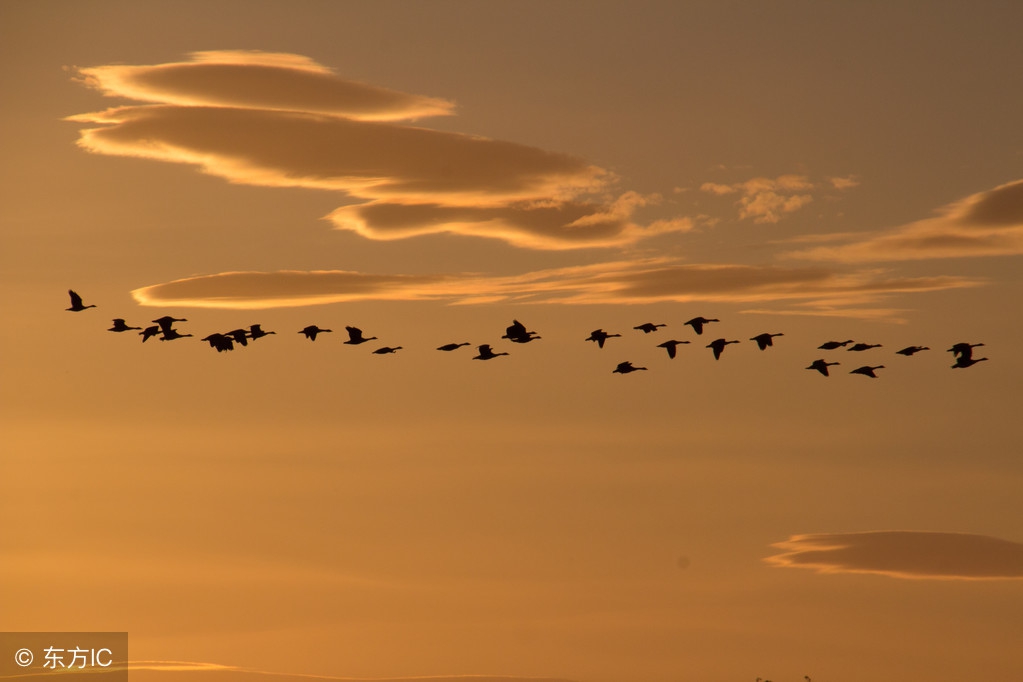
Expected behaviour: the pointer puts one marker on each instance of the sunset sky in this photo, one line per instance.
(430, 172)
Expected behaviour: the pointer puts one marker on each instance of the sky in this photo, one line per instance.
(428, 173)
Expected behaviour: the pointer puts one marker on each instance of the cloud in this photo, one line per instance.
(284, 120)
(904, 554)
(642, 281)
(984, 224)
(766, 200)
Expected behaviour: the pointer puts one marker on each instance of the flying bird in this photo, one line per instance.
(764, 340)
(517, 333)
(718, 345)
(172, 334)
(910, 350)
(239, 336)
(386, 349)
(221, 342)
(149, 332)
(821, 366)
(355, 336)
(120, 326)
(864, 346)
(648, 327)
(832, 345)
(166, 323)
(625, 368)
(963, 362)
(670, 346)
(600, 336)
(867, 371)
(963, 350)
(453, 346)
(312, 330)
(486, 353)
(76, 303)
(256, 332)
(697, 323)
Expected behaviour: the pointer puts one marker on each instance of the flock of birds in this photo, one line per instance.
(163, 328)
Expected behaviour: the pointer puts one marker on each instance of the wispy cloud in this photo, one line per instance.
(642, 281)
(904, 554)
(284, 120)
(767, 200)
(984, 224)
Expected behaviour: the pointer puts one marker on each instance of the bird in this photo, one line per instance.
(697, 323)
(832, 345)
(221, 342)
(764, 340)
(312, 330)
(625, 368)
(648, 327)
(867, 371)
(963, 350)
(486, 353)
(149, 332)
(355, 336)
(386, 349)
(453, 346)
(670, 346)
(864, 346)
(256, 332)
(963, 362)
(120, 326)
(239, 336)
(76, 303)
(821, 366)
(909, 350)
(719, 345)
(166, 322)
(516, 333)
(600, 336)
(172, 334)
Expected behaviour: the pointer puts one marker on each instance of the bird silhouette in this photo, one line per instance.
(221, 342)
(718, 345)
(962, 362)
(670, 346)
(867, 371)
(517, 333)
(239, 336)
(909, 350)
(486, 353)
(355, 336)
(386, 349)
(76, 303)
(625, 368)
(648, 327)
(453, 346)
(312, 330)
(764, 340)
(149, 332)
(120, 326)
(166, 323)
(172, 334)
(821, 366)
(832, 345)
(697, 323)
(256, 332)
(600, 336)
(963, 350)
(864, 346)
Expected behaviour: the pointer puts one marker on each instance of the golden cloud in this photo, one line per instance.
(766, 200)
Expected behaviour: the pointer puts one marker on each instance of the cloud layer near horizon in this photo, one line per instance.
(286, 121)
(904, 554)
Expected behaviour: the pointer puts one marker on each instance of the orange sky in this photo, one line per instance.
(429, 172)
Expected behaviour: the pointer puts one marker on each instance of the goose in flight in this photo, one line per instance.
(648, 327)
(600, 336)
(671, 347)
(172, 334)
(239, 336)
(867, 371)
(516, 333)
(386, 349)
(821, 366)
(76, 303)
(149, 332)
(221, 342)
(166, 323)
(120, 326)
(625, 368)
(718, 345)
(697, 323)
(832, 345)
(910, 350)
(764, 340)
(256, 332)
(963, 350)
(864, 346)
(355, 336)
(312, 330)
(486, 353)
(453, 346)
(963, 361)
